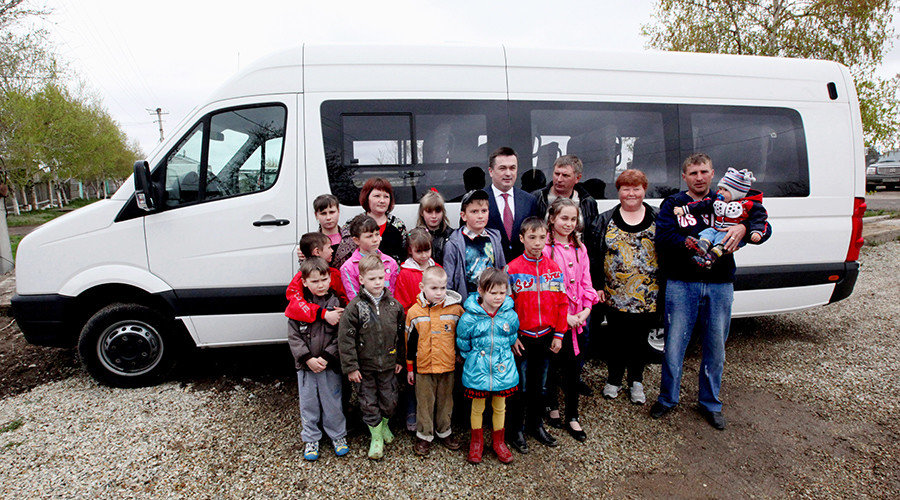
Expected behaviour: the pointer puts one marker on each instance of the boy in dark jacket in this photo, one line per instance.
(370, 341)
(315, 350)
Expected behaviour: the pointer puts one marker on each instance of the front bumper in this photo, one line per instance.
(49, 320)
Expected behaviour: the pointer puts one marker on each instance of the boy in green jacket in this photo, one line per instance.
(370, 341)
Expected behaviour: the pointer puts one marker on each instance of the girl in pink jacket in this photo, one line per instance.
(565, 248)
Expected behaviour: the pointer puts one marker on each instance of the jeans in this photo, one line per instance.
(686, 303)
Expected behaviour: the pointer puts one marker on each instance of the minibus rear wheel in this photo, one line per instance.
(128, 345)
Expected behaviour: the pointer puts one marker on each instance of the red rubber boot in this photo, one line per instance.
(500, 447)
(476, 447)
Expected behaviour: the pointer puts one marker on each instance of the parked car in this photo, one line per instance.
(884, 172)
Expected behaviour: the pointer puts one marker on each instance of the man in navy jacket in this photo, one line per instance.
(695, 294)
(508, 205)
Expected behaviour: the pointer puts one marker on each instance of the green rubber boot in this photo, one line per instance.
(385, 432)
(376, 448)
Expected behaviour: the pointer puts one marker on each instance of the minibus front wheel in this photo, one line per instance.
(128, 345)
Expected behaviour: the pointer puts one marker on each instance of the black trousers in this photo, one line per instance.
(628, 344)
(565, 372)
(527, 405)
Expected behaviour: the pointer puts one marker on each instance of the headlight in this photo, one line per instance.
(871, 170)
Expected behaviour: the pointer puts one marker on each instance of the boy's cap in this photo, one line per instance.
(473, 195)
(737, 182)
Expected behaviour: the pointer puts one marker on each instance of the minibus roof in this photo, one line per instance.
(516, 73)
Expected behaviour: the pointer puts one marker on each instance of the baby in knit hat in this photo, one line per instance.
(735, 203)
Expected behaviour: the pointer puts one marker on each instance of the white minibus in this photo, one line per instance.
(201, 253)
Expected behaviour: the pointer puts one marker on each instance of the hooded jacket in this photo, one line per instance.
(676, 260)
(431, 334)
(370, 334)
(302, 310)
(486, 342)
(408, 280)
(725, 215)
(313, 339)
(350, 273)
(455, 259)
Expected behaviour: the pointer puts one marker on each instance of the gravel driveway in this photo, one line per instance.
(811, 401)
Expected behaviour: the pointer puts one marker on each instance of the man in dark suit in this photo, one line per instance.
(508, 205)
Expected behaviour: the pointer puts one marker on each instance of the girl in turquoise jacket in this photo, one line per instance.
(485, 335)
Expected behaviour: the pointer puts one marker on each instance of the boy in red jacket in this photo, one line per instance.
(314, 245)
(539, 292)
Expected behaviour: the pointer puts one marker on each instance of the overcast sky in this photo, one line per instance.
(173, 54)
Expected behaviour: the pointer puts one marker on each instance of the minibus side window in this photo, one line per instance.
(414, 144)
(228, 153)
(608, 138)
(182, 165)
(770, 142)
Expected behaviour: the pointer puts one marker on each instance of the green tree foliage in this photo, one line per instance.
(855, 33)
(53, 135)
(48, 132)
(27, 62)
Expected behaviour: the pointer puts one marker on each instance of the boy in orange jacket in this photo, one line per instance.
(431, 358)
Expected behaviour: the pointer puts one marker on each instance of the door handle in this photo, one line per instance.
(271, 222)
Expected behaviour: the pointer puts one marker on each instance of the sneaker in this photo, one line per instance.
(702, 262)
(637, 393)
(611, 391)
(411, 422)
(340, 447)
(312, 451)
(700, 247)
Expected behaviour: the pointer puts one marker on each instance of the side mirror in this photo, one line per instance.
(143, 189)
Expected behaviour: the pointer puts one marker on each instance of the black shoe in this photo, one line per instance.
(659, 410)
(579, 436)
(715, 418)
(543, 436)
(584, 389)
(517, 441)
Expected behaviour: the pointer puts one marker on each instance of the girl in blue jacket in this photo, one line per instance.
(485, 336)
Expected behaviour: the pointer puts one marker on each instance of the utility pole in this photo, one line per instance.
(158, 112)
(6, 256)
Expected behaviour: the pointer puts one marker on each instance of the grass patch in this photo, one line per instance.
(38, 217)
(14, 240)
(11, 426)
(876, 213)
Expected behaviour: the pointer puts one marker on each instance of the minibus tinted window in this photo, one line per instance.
(768, 141)
(608, 138)
(414, 144)
(228, 153)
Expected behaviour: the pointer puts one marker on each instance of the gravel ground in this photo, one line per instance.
(810, 399)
